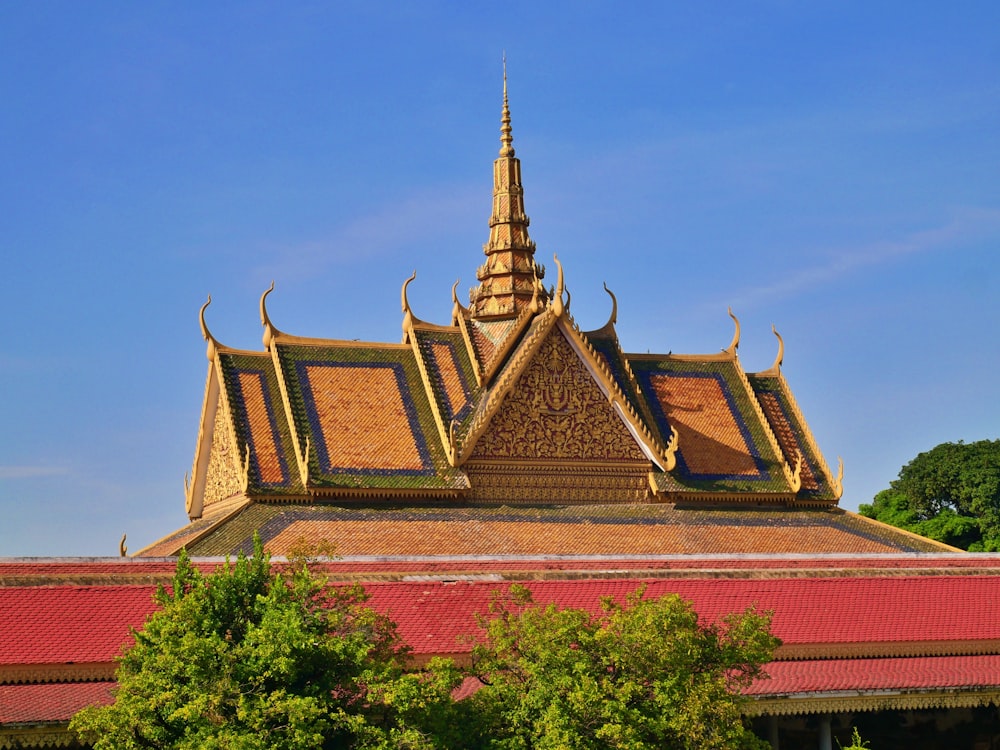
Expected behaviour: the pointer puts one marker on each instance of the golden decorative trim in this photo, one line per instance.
(774, 370)
(445, 433)
(369, 493)
(897, 530)
(48, 734)
(806, 432)
(409, 319)
(558, 306)
(735, 343)
(614, 307)
(503, 351)
(664, 456)
(887, 649)
(270, 332)
(867, 701)
(225, 474)
(838, 484)
(558, 411)
(794, 481)
(23, 674)
(557, 482)
(194, 497)
(503, 385)
(212, 347)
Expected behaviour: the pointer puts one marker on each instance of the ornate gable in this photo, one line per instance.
(557, 437)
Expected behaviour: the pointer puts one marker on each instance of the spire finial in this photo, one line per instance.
(506, 139)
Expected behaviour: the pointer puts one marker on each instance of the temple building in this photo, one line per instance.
(508, 445)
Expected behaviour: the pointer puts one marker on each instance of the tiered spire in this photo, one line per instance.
(507, 278)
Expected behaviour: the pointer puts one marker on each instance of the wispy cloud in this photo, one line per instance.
(31, 472)
(967, 225)
(414, 221)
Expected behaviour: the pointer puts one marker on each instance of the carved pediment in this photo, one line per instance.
(557, 412)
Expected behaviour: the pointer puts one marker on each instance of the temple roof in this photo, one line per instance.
(924, 627)
(574, 531)
(507, 405)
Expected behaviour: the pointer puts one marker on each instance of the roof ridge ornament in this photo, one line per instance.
(270, 331)
(558, 306)
(506, 131)
(213, 345)
(614, 307)
(775, 369)
(408, 317)
(506, 277)
(735, 343)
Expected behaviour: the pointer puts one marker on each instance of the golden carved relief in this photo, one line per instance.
(530, 483)
(557, 412)
(223, 477)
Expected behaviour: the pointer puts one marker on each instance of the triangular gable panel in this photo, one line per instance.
(223, 478)
(557, 412)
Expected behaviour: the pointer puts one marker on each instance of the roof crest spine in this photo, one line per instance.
(665, 451)
(790, 473)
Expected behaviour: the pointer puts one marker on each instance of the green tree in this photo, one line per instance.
(950, 493)
(646, 674)
(251, 658)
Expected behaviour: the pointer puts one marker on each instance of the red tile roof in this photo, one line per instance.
(916, 673)
(432, 615)
(69, 624)
(55, 702)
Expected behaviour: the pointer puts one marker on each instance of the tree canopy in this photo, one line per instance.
(255, 656)
(643, 674)
(251, 658)
(950, 493)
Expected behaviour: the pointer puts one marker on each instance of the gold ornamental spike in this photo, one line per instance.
(506, 136)
(735, 343)
(213, 345)
(270, 332)
(614, 306)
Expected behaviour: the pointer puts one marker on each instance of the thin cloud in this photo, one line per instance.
(31, 472)
(967, 225)
(415, 221)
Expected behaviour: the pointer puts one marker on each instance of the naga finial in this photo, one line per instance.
(781, 350)
(408, 317)
(838, 484)
(735, 343)
(270, 332)
(614, 306)
(456, 306)
(122, 547)
(206, 334)
(557, 294)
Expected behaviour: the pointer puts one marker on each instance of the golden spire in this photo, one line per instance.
(507, 278)
(506, 139)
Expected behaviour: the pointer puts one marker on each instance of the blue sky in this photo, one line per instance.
(832, 168)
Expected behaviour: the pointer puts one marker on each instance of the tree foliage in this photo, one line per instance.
(950, 493)
(253, 658)
(645, 674)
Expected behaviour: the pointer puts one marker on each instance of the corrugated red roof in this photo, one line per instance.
(33, 704)
(915, 673)
(89, 624)
(69, 624)
(433, 615)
